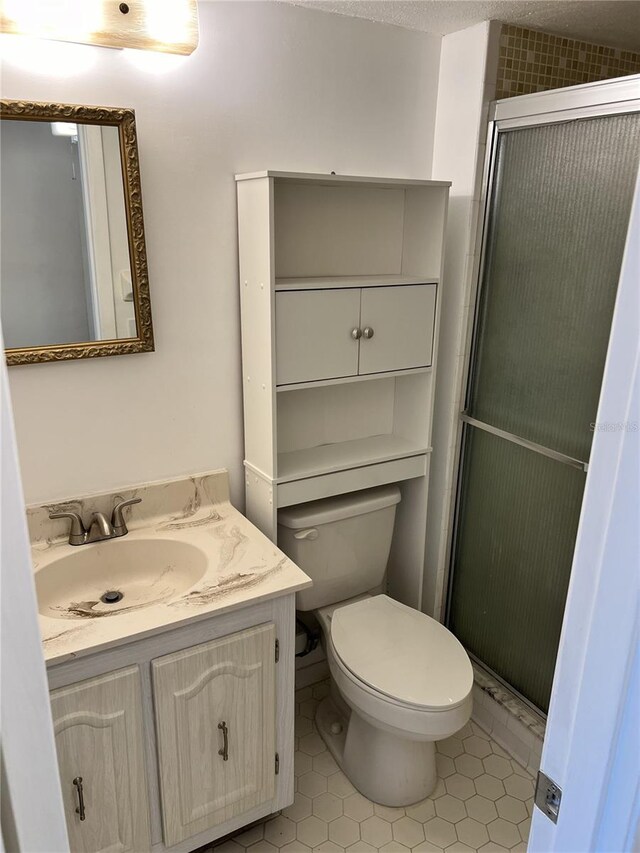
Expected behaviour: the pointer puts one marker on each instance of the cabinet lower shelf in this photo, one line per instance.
(352, 480)
(364, 464)
(338, 281)
(328, 458)
(349, 380)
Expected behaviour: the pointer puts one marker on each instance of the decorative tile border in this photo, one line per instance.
(531, 61)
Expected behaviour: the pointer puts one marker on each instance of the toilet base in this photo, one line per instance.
(385, 768)
(332, 721)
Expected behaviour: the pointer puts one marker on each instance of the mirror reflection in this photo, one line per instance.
(65, 269)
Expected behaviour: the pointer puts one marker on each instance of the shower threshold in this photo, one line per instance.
(507, 696)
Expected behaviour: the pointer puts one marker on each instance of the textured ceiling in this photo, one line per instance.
(611, 22)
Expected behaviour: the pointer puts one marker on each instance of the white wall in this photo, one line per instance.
(270, 86)
(466, 85)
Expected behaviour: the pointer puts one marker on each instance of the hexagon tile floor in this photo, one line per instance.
(483, 801)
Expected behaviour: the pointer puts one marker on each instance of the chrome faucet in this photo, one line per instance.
(100, 528)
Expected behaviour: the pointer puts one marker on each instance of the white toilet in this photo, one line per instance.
(403, 680)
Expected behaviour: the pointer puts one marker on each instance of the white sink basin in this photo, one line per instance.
(144, 572)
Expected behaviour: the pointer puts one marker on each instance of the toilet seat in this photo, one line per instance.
(401, 654)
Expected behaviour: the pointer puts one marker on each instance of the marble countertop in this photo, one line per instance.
(243, 567)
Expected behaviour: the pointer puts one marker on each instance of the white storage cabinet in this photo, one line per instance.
(332, 334)
(339, 280)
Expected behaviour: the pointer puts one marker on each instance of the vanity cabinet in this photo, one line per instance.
(181, 737)
(99, 740)
(328, 334)
(215, 723)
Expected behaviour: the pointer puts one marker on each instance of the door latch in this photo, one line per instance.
(548, 796)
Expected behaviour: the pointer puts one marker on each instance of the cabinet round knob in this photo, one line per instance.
(356, 334)
(367, 333)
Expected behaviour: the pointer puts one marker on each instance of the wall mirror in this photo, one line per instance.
(73, 266)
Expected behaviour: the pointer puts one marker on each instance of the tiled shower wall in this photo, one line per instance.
(531, 61)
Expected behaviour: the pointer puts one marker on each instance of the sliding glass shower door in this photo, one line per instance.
(558, 213)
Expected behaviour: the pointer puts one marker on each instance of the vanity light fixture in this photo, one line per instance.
(64, 128)
(168, 26)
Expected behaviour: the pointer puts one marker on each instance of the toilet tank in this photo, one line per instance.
(342, 543)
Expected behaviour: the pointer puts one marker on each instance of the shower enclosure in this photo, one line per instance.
(559, 194)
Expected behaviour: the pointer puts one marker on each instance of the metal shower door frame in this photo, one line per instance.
(591, 100)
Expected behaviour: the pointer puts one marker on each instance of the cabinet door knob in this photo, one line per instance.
(367, 333)
(80, 809)
(224, 752)
(356, 334)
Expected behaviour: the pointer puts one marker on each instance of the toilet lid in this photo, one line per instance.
(402, 653)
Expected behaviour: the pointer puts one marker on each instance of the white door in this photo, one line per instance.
(31, 814)
(397, 327)
(592, 743)
(314, 334)
(215, 715)
(98, 730)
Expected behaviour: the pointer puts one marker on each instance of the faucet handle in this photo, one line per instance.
(77, 533)
(117, 519)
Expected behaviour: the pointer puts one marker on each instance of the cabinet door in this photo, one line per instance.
(215, 700)
(313, 334)
(402, 320)
(99, 739)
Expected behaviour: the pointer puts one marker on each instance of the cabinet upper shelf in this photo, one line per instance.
(336, 282)
(339, 180)
(339, 278)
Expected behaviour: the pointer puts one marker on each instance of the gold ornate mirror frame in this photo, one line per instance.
(124, 120)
